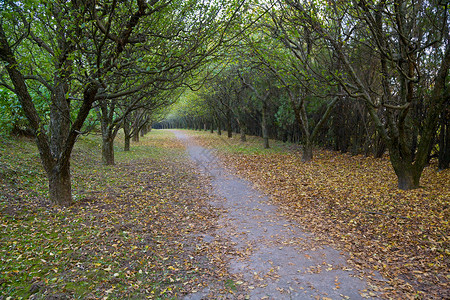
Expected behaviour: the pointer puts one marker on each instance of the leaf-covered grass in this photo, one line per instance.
(134, 231)
(253, 145)
(354, 203)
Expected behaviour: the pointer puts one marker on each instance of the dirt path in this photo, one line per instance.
(279, 261)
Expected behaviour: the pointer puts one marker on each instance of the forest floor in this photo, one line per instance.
(147, 227)
(278, 259)
(134, 232)
(352, 204)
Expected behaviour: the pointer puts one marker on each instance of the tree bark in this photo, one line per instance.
(219, 128)
(307, 153)
(229, 125)
(136, 136)
(242, 129)
(127, 134)
(265, 135)
(126, 146)
(408, 176)
(108, 151)
(59, 185)
(243, 136)
(444, 141)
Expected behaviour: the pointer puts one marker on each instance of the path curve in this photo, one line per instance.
(282, 261)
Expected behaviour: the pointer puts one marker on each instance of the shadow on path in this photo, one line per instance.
(279, 261)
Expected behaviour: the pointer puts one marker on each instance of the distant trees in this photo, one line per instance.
(365, 76)
(361, 76)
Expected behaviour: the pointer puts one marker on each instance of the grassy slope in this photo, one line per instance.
(353, 202)
(133, 232)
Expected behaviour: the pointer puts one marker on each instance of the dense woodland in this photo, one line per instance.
(354, 76)
(365, 77)
(337, 110)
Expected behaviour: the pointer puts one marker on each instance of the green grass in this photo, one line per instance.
(253, 146)
(20, 166)
(117, 240)
(154, 148)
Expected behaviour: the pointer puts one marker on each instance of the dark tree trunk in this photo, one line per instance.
(408, 176)
(407, 180)
(242, 130)
(444, 141)
(265, 134)
(307, 153)
(229, 124)
(243, 136)
(127, 136)
(126, 146)
(136, 136)
(59, 185)
(380, 147)
(59, 117)
(108, 151)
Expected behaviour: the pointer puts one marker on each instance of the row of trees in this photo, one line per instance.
(120, 62)
(363, 75)
(360, 76)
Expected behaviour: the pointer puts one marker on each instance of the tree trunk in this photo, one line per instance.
(108, 151)
(126, 132)
(264, 125)
(242, 129)
(136, 136)
(444, 141)
(126, 146)
(243, 137)
(229, 125)
(380, 146)
(307, 153)
(408, 176)
(219, 129)
(59, 185)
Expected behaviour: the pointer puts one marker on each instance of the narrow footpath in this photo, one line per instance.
(281, 261)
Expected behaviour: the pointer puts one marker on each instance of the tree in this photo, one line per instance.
(55, 146)
(282, 48)
(403, 35)
(74, 50)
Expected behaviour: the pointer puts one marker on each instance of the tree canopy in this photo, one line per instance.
(359, 76)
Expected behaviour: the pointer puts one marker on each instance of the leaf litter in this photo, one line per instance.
(135, 231)
(353, 204)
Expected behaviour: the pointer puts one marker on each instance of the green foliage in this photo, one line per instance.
(11, 113)
(285, 114)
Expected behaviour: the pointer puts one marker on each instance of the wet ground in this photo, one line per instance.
(279, 260)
